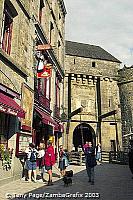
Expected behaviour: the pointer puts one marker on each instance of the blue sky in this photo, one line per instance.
(106, 23)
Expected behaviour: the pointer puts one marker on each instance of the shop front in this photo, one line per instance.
(43, 126)
(46, 128)
(10, 115)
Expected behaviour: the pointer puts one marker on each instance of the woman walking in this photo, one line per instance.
(49, 158)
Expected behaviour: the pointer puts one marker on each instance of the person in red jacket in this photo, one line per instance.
(49, 158)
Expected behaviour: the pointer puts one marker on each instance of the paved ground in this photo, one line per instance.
(112, 182)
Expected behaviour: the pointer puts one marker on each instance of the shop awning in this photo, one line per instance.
(9, 106)
(46, 119)
(59, 127)
(56, 128)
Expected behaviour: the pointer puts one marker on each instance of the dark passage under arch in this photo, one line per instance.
(82, 133)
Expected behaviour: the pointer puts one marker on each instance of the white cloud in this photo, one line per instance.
(107, 23)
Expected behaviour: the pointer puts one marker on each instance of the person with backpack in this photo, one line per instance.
(49, 159)
(31, 161)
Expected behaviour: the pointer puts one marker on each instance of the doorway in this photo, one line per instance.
(82, 133)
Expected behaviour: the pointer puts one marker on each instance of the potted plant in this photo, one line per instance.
(6, 157)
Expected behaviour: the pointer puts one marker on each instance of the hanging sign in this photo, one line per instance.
(45, 72)
(43, 47)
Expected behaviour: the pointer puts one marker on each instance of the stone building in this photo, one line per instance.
(125, 84)
(90, 86)
(30, 30)
(16, 84)
(50, 33)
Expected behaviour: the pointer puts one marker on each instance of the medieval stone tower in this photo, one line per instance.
(91, 85)
(126, 97)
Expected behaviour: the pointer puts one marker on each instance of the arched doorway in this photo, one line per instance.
(82, 133)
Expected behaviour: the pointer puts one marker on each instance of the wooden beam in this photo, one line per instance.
(107, 114)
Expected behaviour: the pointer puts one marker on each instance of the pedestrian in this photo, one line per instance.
(49, 159)
(98, 153)
(31, 161)
(41, 161)
(85, 147)
(41, 152)
(63, 160)
(90, 162)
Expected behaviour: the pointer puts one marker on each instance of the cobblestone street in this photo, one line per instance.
(112, 182)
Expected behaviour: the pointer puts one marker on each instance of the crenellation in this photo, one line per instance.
(78, 78)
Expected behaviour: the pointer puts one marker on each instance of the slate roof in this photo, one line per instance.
(88, 51)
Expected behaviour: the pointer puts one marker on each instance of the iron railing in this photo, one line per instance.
(119, 157)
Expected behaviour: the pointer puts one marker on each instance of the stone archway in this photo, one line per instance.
(82, 133)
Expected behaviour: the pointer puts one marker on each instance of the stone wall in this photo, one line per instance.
(103, 68)
(126, 96)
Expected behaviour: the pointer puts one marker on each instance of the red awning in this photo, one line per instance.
(46, 119)
(59, 127)
(56, 128)
(8, 105)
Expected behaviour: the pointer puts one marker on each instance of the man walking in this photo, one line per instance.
(90, 162)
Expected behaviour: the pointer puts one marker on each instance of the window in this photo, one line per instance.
(8, 126)
(40, 10)
(48, 88)
(8, 14)
(51, 29)
(3, 129)
(93, 64)
(59, 45)
(109, 103)
(57, 92)
(44, 87)
(74, 61)
(59, 16)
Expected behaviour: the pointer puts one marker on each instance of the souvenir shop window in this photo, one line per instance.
(4, 129)
(5, 150)
(22, 143)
